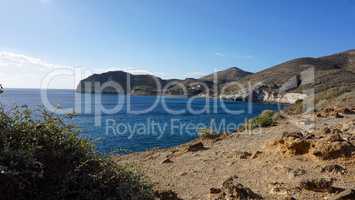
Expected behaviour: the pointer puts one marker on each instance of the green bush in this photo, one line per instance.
(206, 133)
(44, 159)
(265, 119)
(296, 108)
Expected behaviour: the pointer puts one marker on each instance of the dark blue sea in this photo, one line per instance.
(122, 124)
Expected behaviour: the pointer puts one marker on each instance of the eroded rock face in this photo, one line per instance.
(335, 112)
(294, 146)
(318, 185)
(233, 190)
(324, 144)
(332, 147)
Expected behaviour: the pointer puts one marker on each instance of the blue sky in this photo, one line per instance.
(172, 38)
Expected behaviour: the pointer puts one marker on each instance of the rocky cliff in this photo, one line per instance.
(294, 79)
(153, 85)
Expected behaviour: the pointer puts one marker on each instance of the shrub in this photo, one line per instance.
(296, 108)
(265, 119)
(44, 159)
(206, 133)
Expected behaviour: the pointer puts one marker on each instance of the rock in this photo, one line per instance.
(332, 147)
(348, 126)
(292, 134)
(294, 146)
(327, 130)
(348, 111)
(280, 189)
(348, 194)
(197, 146)
(168, 160)
(289, 198)
(336, 137)
(292, 173)
(334, 168)
(318, 185)
(245, 155)
(256, 154)
(214, 194)
(183, 174)
(233, 190)
(338, 115)
(337, 131)
(166, 195)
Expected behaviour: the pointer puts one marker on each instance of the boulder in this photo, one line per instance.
(348, 111)
(332, 147)
(214, 194)
(166, 195)
(348, 194)
(318, 185)
(334, 168)
(292, 134)
(256, 154)
(338, 115)
(197, 146)
(167, 160)
(292, 173)
(294, 146)
(280, 189)
(245, 155)
(233, 190)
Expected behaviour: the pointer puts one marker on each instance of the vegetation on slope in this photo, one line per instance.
(44, 159)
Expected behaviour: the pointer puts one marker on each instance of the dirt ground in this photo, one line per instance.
(253, 157)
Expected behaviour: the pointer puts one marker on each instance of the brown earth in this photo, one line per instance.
(279, 162)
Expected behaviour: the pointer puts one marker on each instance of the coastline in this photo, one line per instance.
(193, 174)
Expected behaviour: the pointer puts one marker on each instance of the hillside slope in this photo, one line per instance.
(337, 70)
(225, 76)
(153, 85)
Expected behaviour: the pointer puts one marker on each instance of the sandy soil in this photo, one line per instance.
(269, 173)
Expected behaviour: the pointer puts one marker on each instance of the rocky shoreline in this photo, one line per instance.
(283, 161)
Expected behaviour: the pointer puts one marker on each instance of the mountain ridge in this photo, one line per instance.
(330, 71)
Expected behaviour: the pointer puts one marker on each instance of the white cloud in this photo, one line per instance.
(21, 71)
